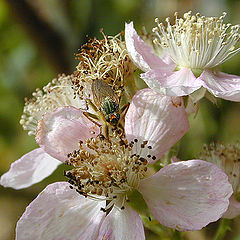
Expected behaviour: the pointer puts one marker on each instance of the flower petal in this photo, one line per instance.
(60, 213)
(222, 85)
(59, 132)
(161, 120)
(122, 225)
(142, 54)
(31, 168)
(233, 209)
(187, 195)
(178, 83)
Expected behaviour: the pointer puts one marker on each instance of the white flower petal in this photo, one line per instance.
(161, 120)
(141, 54)
(122, 225)
(59, 132)
(233, 209)
(178, 83)
(187, 195)
(222, 85)
(31, 168)
(60, 213)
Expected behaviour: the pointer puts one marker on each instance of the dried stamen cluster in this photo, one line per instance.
(57, 93)
(107, 168)
(105, 59)
(197, 41)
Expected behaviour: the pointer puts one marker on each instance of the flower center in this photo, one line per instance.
(106, 168)
(105, 59)
(196, 41)
(57, 93)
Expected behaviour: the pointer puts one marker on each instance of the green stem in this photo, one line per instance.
(177, 235)
(222, 229)
(154, 226)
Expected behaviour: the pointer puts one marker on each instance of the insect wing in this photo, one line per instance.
(101, 91)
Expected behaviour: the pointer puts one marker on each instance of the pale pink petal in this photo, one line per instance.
(167, 58)
(187, 195)
(59, 132)
(161, 120)
(142, 54)
(192, 107)
(178, 83)
(31, 168)
(60, 213)
(222, 85)
(233, 209)
(122, 225)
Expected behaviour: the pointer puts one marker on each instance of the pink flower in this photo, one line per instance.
(194, 46)
(67, 126)
(57, 98)
(184, 195)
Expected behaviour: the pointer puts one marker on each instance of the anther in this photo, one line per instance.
(103, 209)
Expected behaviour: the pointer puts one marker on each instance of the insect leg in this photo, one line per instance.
(91, 117)
(105, 130)
(124, 109)
(89, 102)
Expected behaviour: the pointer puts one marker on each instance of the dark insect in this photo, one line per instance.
(106, 106)
(106, 101)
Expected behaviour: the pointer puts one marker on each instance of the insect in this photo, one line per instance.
(106, 107)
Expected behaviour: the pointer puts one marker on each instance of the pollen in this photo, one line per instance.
(196, 41)
(105, 59)
(106, 169)
(57, 93)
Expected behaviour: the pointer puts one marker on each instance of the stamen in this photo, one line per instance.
(227, 158)
(106, 168)
(57, 93)
(105, 59)
(198, 42)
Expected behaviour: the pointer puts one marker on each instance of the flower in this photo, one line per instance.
(194, 46)
(106, 59)
(57, 93)
(185, 195)
(56, 97)
(227, 157)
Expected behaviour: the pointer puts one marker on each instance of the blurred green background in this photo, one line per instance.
(38, 40)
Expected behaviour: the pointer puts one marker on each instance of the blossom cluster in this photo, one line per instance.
(116, 134)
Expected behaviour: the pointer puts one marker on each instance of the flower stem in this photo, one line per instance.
(177, 235)
(222, 229)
